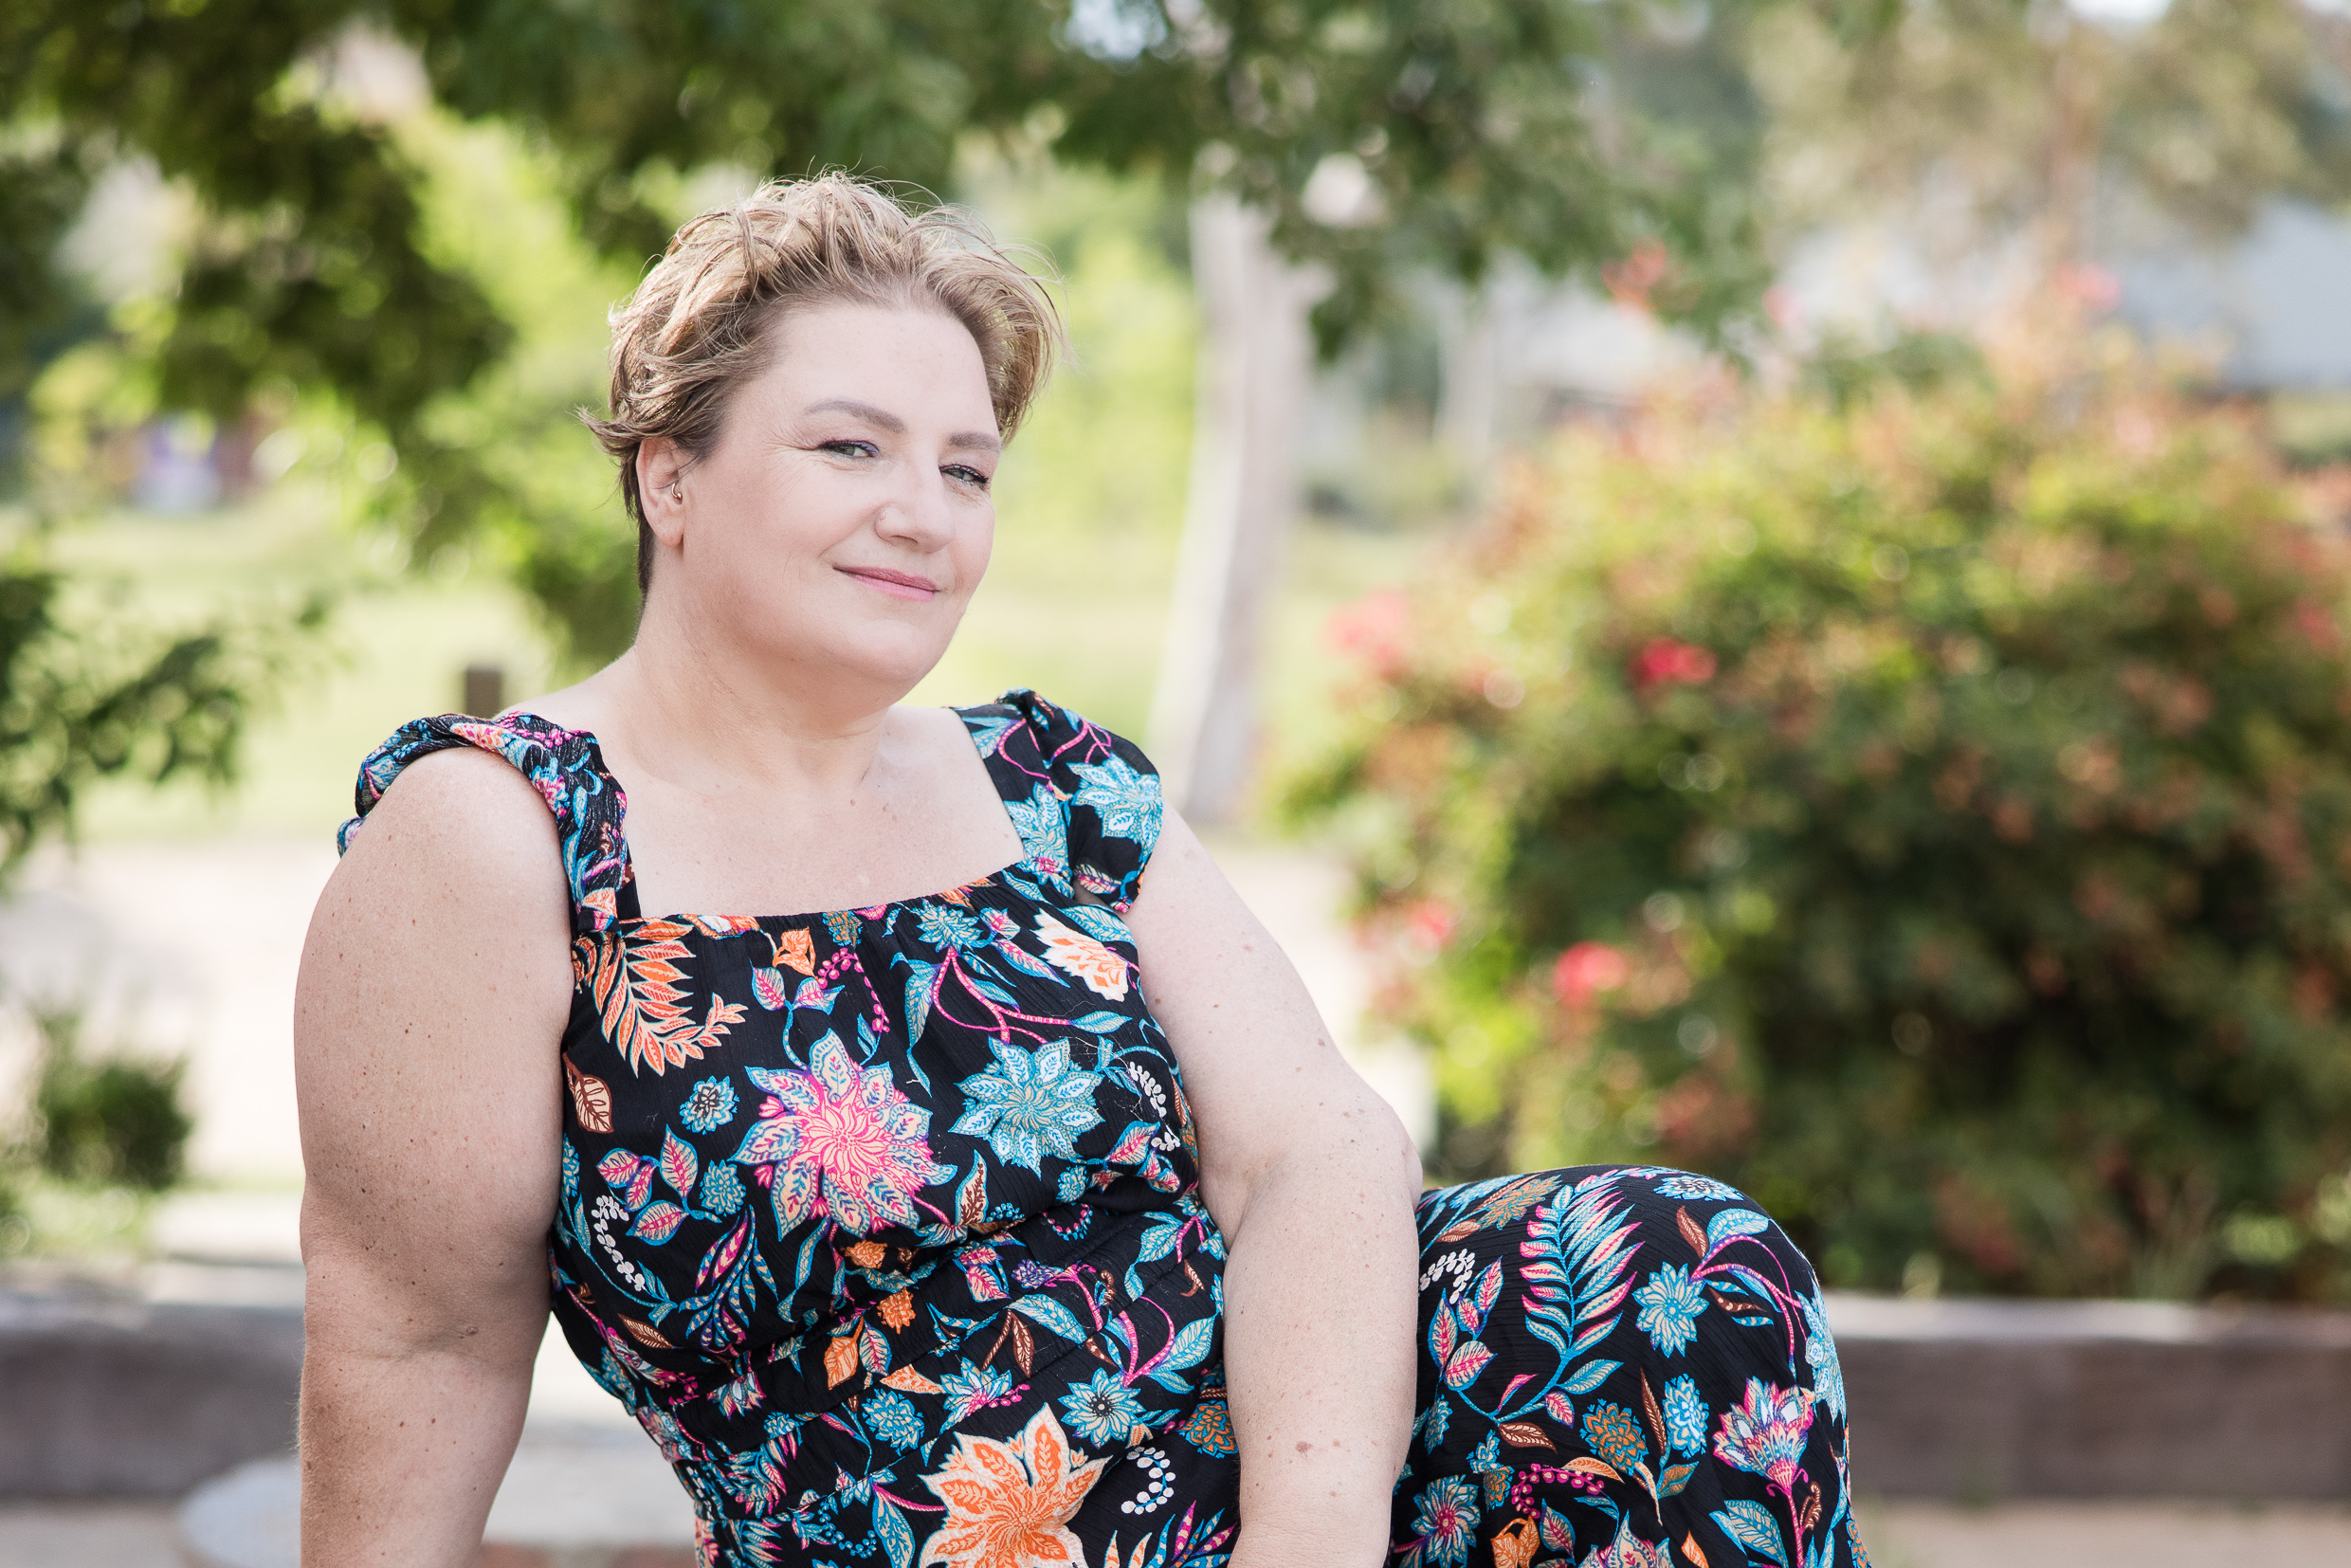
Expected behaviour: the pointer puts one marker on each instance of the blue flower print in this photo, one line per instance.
(1127, 802)
(1686, 1417)
(892, 1418)
(723, 1190)
(975, 1388)
(1103, 1410)
(1671, 1303)
(1447, 1521)
(1820, 1355)
(1430, 1425)
(1698, 1188)
(943, 927)
(1030, 1104)
(709, 1107)
(1044, 832)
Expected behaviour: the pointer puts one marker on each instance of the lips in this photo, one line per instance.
(899, 585)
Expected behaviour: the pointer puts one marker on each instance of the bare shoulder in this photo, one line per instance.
(452, 889)
(459, 815)
(428, 1017)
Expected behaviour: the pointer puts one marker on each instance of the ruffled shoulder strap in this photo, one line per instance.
(566, 766)
(1086, 802)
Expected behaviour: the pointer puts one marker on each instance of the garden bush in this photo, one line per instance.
(111, 1120)
(1927, 807)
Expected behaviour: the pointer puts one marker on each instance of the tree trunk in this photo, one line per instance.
(1468, 377)
(1255, 368)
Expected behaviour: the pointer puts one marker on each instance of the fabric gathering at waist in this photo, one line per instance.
(949, 1301)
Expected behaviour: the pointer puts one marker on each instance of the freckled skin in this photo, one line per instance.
(1320, 1317)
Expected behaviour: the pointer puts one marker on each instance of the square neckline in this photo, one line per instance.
(628, 859)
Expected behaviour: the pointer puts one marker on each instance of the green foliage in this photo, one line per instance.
(113, 1121)
(1934, 816)
(87, 692)
(319, 269)
(2030, 112)
(42, 190)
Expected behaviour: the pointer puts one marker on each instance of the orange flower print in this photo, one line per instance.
(1075, 953)
(1009, 1503)
(797, 949)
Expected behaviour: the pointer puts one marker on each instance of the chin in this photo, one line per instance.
(894, 663)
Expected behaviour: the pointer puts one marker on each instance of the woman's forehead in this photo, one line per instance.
(895, 366)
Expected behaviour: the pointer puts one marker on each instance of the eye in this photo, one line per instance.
(849, 449)
(966, 474)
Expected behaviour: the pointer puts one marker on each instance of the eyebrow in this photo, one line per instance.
(964, 440)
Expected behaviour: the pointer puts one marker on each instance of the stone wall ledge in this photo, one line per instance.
(143, 1382)
(1989, 1400)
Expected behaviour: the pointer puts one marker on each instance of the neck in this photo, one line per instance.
(707, 717)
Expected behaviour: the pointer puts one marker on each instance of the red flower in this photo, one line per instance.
(2315, 625)
(1375, 628)
(1585, 970)
(1663, 661)
(1432, 922)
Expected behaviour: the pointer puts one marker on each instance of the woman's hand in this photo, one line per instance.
(1313, 1180)
(435, 984)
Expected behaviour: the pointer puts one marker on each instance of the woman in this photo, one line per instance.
(910, 1231)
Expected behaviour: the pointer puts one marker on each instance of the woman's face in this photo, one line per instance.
(841, 520)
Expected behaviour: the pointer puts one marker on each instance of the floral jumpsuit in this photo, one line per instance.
(885, 1224)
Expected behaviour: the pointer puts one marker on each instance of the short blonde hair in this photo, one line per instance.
(703, 319)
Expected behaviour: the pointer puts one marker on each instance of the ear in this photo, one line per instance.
(662, 465)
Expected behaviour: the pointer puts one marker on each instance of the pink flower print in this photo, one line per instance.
(840, 1140)
(1764, 1434)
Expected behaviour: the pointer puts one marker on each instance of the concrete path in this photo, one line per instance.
(1910, 1534)
(180, 948)
(2104, 1535)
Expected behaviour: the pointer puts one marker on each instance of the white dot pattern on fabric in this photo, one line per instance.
(1158, 1483)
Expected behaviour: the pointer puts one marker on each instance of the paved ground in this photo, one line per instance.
(86, 1535)
(181, 947)
(2104, 1535)
(1898, 1536)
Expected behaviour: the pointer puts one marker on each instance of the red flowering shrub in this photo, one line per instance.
(1934, 817)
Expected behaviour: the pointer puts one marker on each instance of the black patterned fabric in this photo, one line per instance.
(885, 1224)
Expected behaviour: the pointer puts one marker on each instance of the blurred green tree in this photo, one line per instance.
(1987, 118)
(1463, 132)
(90, 692)
(1926, 809)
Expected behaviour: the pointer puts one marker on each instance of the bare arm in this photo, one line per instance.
(1312, 1179)
(434, 987)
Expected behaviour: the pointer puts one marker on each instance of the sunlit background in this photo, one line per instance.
(1756, 585)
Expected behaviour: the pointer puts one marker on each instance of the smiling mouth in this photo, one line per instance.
(898, 584)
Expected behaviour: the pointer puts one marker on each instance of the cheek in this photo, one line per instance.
(974, 542)
(795, 519)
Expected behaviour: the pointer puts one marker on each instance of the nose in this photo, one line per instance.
(922, 514)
